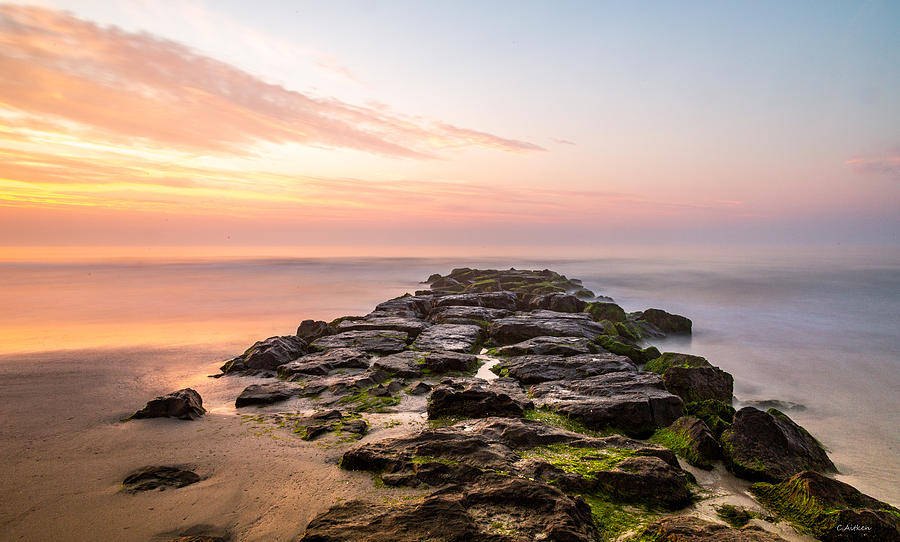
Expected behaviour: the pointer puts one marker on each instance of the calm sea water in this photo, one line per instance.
(815, 327)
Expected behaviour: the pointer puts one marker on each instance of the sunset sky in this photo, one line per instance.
(457, 123)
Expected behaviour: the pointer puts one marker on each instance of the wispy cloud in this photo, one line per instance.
(888, 166)
(127, 85)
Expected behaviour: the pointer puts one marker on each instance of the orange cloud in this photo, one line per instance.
(128, 86)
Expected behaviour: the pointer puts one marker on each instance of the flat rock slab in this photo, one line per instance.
(322, 363)
(372, 341)
(524, 326)
(693, 529)
(375, 321)
(558, 302)
(412, 363)
(535, 369)
(543, 346)
(185, 404)
(268, 393)
(503, 510)
(449, 337)
(492, 300)
(770, 447)
(159, 477)
(268, 354)
(636, 403)
(407, 306)
(469, 451)
(462, 314)
(476, 398)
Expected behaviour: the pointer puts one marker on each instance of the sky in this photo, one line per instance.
(448, 123)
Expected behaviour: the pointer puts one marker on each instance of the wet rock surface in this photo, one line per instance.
(536, 369)
(693, 529)
(449, 337)
(266, 394)
(322, 363)
(267, 354)
(160, 477)
(561, 346)
(372, 341)
(769, 446)
(475, 398)
(524, 326)
(185, 404)
(412, 363)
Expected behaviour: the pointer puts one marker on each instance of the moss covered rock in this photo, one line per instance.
(605, 311)
(690, 438)
(717, 415)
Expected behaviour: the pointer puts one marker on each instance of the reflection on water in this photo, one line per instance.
(811, 327)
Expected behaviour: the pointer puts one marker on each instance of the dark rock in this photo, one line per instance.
(449, 337)
(770, 447)
(536, 369)
(675, 359)
(461, 314)
(447, 283)
(311, 330)
(645, 479)
(504, 509)
(605, 311)
(635, 403)
(667, 322)
(690, 438)
(419, 388)
(558, 302)
(185, 404)
(699, 384)
(412, 364)
(159, 477)
(266, 394)
(492, 300)
(715, 414)
(475, 398)
(634, 353)
(321, 363)
(411, 326)
(268, 354)
(357, 427)
(526, 326)
(693, 529)
(830, 510)
(563, 346)
(372, 341)
(407, 306)
(766, 404)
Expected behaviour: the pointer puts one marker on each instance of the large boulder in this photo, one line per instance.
(535, 369)
(310, 330)
(476, 398)
(770, 447)
(413, 363)
(558, 301)
(666, 322)
(636, 403)
(268, 393)
(828, 509)
(321, 363)
(185, 404)
(600, 310)
(450, 337)
(407, 306)
(376, 321)
(690, 438)
(268, 354)
(692, 378)
(492, 300)
(372, 341)
(563, 346)
(524, 326)
(694, 529)
(505, 509)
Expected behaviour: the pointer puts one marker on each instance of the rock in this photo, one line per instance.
(563, 346)
(558, 302)
(690, 438)
(268, 354)
(411, 326)
(372, 341)
(470, 451)
(536, 369)
(312, 427)
(461, 314)
(199, 538)
(185, 404)
(419, 388)
(266, 394)
(406, 306)
(675, 359)
(830, 510)
(475, 398)
(449, 337)
(770, 447)
(605, 311)
(693, 529)
(715, 414)
(699, 384)
(515, 329)
(412, 364)
(310, 330)
(766, 404)
(322, 363)
(407, 364)
(667, 322)
(504, 509)
(634, 353)
(492, 300)
(635, 403)
(159, 477)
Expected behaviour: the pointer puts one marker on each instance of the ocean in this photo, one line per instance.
(815, 327)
